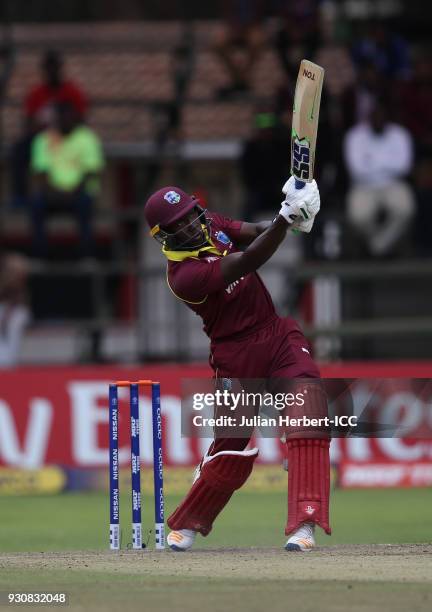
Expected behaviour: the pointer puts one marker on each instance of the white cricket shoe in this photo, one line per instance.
(181, 540)
(303, 539)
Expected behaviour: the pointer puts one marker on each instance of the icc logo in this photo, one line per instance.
(172, 197)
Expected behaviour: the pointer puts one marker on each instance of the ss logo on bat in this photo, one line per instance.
(300, 159)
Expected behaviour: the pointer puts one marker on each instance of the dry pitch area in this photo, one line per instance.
(359, 578)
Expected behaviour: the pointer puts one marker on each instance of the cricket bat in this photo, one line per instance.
(307, 99)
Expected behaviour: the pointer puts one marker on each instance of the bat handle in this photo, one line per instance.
(298, 185)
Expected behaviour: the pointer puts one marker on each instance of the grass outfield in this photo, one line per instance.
(79, 521)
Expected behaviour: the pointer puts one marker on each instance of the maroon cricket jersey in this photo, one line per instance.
(227, 309)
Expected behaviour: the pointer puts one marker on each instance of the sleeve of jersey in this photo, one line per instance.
(229, 226)
(195, 280)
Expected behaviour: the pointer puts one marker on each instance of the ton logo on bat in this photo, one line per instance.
(309, 74)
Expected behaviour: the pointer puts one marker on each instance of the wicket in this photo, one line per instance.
(114, 483)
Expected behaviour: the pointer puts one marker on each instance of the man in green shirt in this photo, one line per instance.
(66, 162)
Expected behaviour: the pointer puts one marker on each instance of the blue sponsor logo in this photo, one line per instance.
(301, 159)
(172, 197)
(222, 237)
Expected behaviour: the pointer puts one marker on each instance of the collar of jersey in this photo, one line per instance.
(182, 255)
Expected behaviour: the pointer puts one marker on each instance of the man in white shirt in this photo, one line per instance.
(379, 155)
(14, 312)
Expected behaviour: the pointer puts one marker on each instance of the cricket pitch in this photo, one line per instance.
(356, 577)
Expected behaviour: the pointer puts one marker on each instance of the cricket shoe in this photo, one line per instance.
(181, 540)
(303, 539)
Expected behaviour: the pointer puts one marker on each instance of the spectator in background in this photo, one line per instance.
(39, 109)
(385, 49)
(54, 88)
(334, 56)
(298, 35)
(264, 162)
(379, 156)
(14, 312)
(242, 29)
(66, 162)
(358, 101)
(415, 113)
(415, 102)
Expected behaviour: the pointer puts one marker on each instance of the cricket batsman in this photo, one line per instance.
(248, 340)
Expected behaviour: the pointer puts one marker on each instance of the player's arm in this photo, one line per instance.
(296, 206)
(249, 231)
(260, 250)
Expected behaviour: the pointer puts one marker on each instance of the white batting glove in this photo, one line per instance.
(306, 200)
(291, 212)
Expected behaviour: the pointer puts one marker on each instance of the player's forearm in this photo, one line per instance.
(250, 231)
(267, 242)
(262, 226)
(257, 253)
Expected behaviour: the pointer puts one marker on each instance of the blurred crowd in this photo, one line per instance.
(374, 151)
(55, 169)
(374, 156)
(57, 161)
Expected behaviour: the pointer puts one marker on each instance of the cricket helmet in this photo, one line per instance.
(165, 207)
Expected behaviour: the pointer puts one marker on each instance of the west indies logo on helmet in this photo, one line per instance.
(172, 197)
(163, 212)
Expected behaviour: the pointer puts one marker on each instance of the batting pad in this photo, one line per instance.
(221, 474)
(308, 483)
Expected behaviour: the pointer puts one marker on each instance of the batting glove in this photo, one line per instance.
(306, 200)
